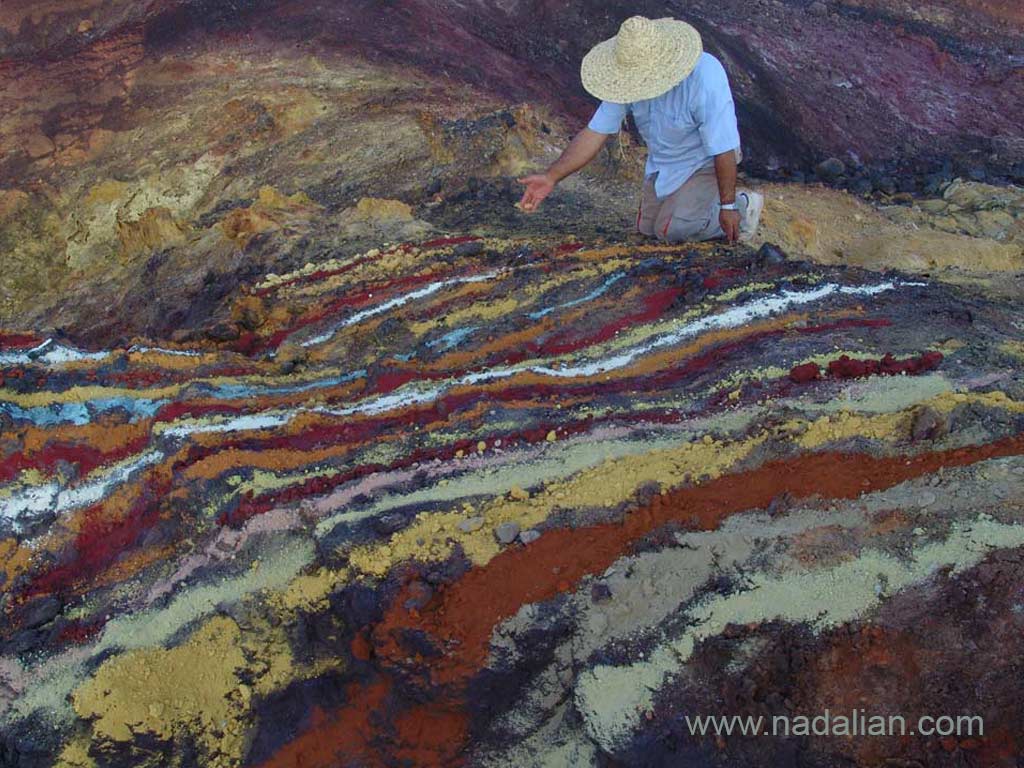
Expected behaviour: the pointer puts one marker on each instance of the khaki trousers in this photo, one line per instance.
(689, 213)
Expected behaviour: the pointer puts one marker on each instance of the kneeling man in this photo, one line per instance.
(683, 107)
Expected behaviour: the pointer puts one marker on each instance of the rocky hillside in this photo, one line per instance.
(315, 451)
(154, 156)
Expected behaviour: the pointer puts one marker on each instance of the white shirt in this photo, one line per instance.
(684, 128)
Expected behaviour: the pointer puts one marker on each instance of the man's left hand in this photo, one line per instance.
(730, 221)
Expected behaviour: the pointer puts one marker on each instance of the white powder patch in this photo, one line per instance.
(613, 699)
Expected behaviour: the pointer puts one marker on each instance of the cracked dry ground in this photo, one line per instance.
(520, 502)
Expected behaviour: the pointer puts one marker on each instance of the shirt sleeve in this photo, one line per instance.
(716, 113)
(608, 117)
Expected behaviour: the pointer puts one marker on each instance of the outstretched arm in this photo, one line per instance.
(581, 150)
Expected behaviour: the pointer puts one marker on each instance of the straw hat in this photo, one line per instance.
(646, 58)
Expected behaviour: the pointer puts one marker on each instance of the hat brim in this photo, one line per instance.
(605, 78)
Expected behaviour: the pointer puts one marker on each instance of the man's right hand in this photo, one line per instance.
(581, 150)
(538, 187)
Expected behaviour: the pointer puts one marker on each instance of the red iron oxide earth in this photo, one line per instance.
(461, 617)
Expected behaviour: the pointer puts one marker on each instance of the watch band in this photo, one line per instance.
(729, 207)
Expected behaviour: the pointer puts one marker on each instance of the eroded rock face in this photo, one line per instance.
(877, 78)
(137, 136)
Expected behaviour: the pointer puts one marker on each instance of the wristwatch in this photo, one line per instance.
(729, 207)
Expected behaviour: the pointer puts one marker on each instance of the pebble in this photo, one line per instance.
(770, 254)
(551, 437)
(926, 499)
(518, 494)
(472, 248)
(862, 187)
(600, 592)
(830, 169)
(40, 612)
(928, 424)
(977, 173)
(389, 523)
(471, 524)
(419, 594)
(506, 533)
(529, 536)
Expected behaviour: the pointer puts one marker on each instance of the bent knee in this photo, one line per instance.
(681, 230)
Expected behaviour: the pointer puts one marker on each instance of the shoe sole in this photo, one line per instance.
(755, 204)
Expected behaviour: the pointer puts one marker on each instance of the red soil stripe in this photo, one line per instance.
(654, 306)
(16, 340)
(442, 242)
(86, 457)
(375, 294)
(845, 368)
(250, 506)
(461, 618)
(468, 610)
(102, 539)
(569, 248)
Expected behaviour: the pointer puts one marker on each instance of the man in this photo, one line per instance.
(683, 106)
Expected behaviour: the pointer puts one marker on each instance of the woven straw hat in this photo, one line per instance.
(646, 58)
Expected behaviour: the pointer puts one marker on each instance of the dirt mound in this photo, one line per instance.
(982, 246)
